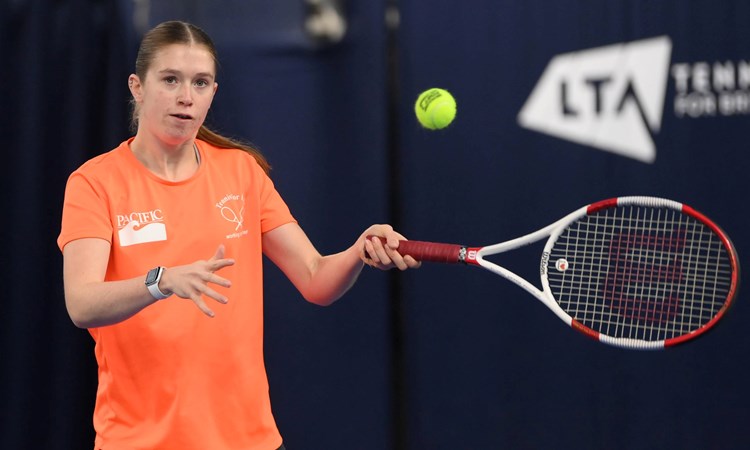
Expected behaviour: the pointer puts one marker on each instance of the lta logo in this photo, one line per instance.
(610, 97)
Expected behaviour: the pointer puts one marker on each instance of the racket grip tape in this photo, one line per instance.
(432, 251)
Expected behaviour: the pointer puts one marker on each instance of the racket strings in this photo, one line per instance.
(638, 272)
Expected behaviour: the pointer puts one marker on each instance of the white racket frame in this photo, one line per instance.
(545, 295)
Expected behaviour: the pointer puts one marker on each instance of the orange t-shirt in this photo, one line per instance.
(171, 377)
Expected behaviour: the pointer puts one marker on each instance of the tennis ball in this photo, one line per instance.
(435, 108)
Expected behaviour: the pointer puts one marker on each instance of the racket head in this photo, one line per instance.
(640, 272)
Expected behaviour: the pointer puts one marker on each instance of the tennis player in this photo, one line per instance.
(162, 241)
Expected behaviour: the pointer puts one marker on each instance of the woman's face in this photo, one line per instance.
(176, 94)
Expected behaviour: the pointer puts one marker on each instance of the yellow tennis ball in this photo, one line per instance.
(435, 108)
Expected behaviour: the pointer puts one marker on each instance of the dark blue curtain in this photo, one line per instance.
(443, 357)
(489, 366)
(63, 100)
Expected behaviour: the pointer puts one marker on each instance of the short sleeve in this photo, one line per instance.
(274, 211)
(85, 211)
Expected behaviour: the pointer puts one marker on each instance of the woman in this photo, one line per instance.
(162, 242)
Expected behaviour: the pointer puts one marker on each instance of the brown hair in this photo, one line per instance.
(177, 32)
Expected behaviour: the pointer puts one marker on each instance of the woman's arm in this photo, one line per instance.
(324, 279)
(92, 302)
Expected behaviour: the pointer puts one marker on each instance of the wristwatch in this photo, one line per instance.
(152, 283)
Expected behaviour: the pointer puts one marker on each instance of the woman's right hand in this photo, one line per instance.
(191, 281)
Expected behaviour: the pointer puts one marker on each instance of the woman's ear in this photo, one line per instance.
(134, 84)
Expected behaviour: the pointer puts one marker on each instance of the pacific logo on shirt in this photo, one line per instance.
(141, 227)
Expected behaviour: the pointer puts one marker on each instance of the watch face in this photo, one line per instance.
(151, 276)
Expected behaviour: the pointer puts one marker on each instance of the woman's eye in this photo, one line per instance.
(170, 80)
(201, 83)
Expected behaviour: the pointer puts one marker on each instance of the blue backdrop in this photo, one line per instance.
(625, 97)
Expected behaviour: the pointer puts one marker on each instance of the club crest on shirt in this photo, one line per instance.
(232, 209)
(140, 227)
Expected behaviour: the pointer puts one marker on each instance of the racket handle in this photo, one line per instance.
(432, 251)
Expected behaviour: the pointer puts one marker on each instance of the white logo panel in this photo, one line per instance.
(609, 97)
(133, 233)
(141, 227)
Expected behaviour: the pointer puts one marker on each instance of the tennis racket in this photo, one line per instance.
(633, 272)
